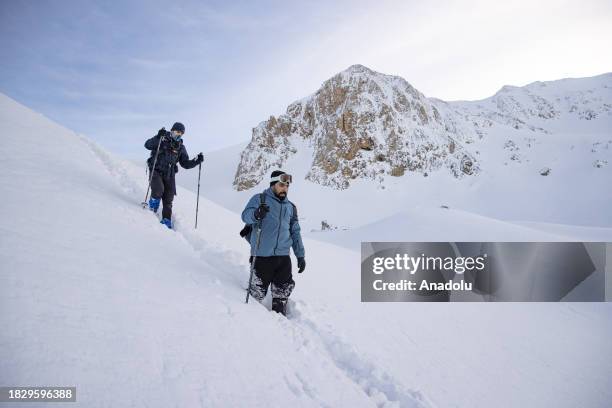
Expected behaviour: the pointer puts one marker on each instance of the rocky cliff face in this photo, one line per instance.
(366, 125)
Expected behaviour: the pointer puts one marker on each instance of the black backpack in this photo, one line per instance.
(246, 231)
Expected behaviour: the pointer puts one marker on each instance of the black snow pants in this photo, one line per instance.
(164, 188)
(274, 270)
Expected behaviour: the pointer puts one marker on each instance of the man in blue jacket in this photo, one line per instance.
(171, 152)
(280, 231)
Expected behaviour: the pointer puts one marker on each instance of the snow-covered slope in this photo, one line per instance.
(439, 224)
(94, 292)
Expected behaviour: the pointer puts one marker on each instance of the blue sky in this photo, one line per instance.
(118, 71)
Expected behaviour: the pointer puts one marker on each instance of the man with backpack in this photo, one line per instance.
(167, 150)
(272, 229)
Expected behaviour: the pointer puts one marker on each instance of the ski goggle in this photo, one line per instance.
(283, 178)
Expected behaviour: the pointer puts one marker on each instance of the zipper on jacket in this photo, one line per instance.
(280, 217)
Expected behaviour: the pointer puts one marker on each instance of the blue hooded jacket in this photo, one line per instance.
(280, 229)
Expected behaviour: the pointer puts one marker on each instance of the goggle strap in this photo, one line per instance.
(283, 178)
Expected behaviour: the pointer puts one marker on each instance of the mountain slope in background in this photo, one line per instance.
(360, 124)
(364, 125)
(537, 155)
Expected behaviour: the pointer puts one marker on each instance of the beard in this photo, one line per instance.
(282, 195)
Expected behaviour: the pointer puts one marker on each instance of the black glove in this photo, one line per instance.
(199, 158)
(261, 211)
(162, 132)
(301, 264)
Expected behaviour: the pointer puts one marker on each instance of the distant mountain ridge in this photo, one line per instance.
(362, 124)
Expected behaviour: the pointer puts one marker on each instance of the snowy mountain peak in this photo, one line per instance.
(362, 124)
(359, 124)
(358, 68)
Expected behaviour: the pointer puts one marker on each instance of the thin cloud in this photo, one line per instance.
(157, 63)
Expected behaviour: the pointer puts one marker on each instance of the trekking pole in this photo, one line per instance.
(144, 203)
(258, 232)
(198, 199)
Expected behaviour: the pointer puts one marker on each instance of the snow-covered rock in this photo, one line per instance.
(362, 124)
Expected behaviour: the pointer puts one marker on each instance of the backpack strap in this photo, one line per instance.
(295, 213)
(175, 157)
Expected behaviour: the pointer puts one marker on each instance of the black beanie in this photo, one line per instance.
(179, 127)
(274, 174)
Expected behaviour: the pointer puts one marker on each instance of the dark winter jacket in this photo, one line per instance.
(171, 152)
(280, 229)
